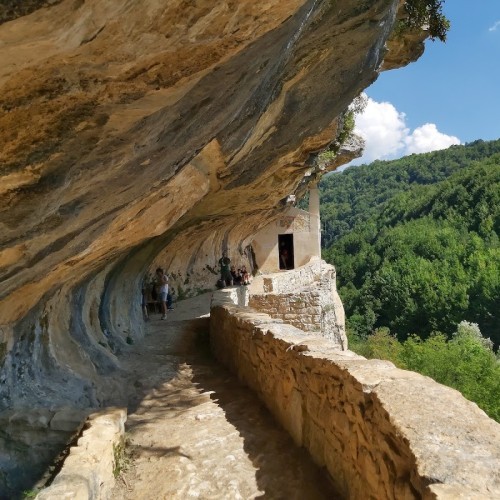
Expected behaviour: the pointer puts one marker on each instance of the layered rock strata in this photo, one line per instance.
(134, 134)
(140, 132)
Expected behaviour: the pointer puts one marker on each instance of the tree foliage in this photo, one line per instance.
(428, 13)
(465, 362)
(416, 241)
(416, 246)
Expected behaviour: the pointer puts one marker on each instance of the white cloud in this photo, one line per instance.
(387, 136)
(428, 138)
(383, 128)
(495, 26)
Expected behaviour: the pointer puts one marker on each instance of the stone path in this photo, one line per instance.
(196, 432)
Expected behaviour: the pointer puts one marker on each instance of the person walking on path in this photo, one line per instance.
(163, 292)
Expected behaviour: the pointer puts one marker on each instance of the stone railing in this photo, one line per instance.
(379, 431)
(305, 297)
(291, 281)
(89, 469)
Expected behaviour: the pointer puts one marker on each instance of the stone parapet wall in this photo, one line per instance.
(379, 431)
(238, 295)
(305, 297)
(89, 469)
(301, 309)
(295, 279)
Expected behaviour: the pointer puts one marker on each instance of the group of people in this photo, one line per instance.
(229, 275)
(159, 292)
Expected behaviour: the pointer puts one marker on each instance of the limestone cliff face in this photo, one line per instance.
(135, 133)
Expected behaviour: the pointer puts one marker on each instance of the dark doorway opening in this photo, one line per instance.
(285, 249)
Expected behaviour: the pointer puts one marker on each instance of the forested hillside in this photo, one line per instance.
(416, 241)
(416, 247)
(351, 197)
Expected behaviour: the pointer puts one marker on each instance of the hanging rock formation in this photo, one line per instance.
(142, 132)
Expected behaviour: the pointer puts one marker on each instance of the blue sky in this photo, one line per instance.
(450, 95)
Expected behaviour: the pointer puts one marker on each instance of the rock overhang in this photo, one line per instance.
(137, 131)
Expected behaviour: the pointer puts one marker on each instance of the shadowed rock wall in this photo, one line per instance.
(136, 133)
(141, 133)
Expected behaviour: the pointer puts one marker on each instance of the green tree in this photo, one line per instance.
(465, 362)
(430, 13)
(416, 241)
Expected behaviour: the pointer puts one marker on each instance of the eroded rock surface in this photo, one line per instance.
(142, 133)
(139, 130)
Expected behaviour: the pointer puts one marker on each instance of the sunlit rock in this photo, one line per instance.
(136, 134)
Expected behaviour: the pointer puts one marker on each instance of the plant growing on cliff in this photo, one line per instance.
(427, 13)
(348, 122)
(30, 494)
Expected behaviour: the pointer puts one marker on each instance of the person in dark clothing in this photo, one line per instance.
(236, 275)
(225, 273)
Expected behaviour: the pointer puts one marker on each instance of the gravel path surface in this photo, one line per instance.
(196, 432)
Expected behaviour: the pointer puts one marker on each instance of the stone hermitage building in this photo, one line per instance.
(292, 240)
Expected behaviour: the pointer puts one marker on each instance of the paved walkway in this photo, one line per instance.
(196, 432)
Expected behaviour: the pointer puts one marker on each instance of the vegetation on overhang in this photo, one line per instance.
(428, 14)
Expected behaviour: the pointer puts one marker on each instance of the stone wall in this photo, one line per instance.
(379, 431)
(89, 470)
(305, 297)
(30, 441)
(296, 278)
(301, 309)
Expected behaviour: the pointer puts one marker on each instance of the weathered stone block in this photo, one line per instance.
(368, 468)
(73, 487)
(87, 472)
(313, 404)
(314, 440)
(295, 416)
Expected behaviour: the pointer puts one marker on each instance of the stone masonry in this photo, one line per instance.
(301, 309)
(305, 297)
(379, 431)
(90, 468)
